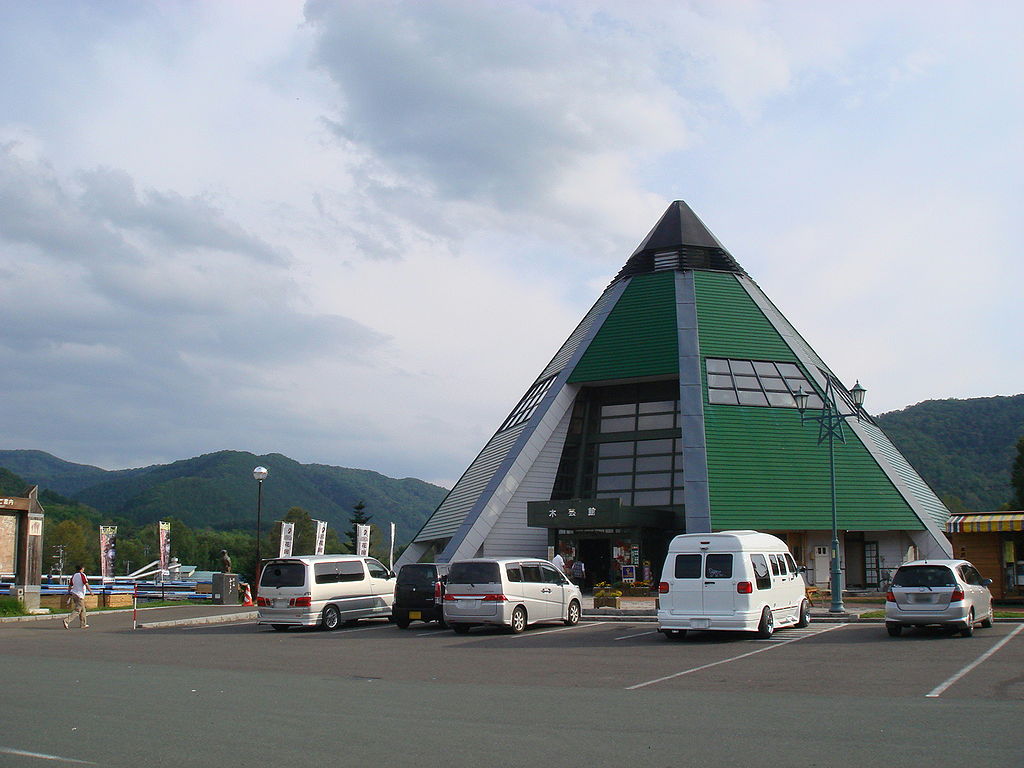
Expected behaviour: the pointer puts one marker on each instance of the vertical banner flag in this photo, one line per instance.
(287, 534)
(391, 551)
(108, 547)
(362, 539)
(165, 545)
(321, 537)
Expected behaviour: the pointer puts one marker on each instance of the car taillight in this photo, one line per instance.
(958, 594)
(262, 601)
(301, 602)
(744, 588)
(890, 597)
(663, 588)
(498, 598)
(449, 597)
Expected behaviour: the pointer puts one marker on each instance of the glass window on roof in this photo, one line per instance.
(722, 397)
(717, 365)
(742, 367)
(765, 369)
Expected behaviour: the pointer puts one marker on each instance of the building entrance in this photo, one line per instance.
(596, 555)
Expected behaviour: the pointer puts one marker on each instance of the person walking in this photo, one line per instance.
(78, 588)
(579, 573)
(559, 562)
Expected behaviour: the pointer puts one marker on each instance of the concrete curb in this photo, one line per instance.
(223, 618)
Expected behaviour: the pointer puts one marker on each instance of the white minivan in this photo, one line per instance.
(508, 592)
(733, 580)
(306, 590)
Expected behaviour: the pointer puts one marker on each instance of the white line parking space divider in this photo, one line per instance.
(734, 658)
(936, 692)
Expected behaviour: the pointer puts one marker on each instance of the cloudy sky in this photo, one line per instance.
(354, 232)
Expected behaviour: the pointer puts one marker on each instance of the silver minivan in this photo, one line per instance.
(509, 592)
(306, 590)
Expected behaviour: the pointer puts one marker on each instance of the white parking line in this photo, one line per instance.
(638, 634)
(42, 756)
(561, 629)
(734, 658)
(936, 692)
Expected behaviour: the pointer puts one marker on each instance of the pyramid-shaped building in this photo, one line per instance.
(670, 409)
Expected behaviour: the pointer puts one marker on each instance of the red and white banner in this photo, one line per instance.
(108, 549)
(165, 545)
(287, 536)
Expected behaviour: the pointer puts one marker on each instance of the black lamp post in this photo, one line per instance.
(260, 473)
(830, 426)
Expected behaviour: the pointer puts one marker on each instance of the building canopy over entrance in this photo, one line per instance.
(1006, 521)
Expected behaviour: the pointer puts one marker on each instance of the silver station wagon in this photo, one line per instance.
(950, 593)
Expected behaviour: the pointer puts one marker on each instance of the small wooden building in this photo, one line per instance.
(994, 542)
(21, 544)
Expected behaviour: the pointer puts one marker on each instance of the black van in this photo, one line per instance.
(419, 592)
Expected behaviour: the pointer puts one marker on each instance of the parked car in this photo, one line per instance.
(508, 592)
(419, 593)
(732, 580)
(323, 589)
(951, 593)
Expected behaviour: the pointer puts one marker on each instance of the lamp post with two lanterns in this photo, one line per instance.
(830, 426)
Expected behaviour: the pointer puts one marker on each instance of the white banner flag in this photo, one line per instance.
(321, 537)
(362, 539)
(108, 547)
(287, 533)
(391, 551)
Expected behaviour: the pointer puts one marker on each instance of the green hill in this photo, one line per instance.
(962, 448)
(218, 490)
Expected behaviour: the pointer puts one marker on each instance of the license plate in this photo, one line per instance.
(700, 623)
(415, 615)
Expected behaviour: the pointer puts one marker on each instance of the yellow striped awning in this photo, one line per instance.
(1007, 521)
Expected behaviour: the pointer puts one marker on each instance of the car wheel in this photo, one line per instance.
(518, 622)
(330, 619)
(674, 634)
(968, 629)
(767, 626)
(442, 623)
(402, 621)
(987, 623)
(281, 627)
(894, 630)
(460, 629)
(572, 616)
(805, 614)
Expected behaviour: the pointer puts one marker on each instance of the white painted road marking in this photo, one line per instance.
(41, 756)
(941, 689)
(733, 658)
(561, 629)
(638, 634)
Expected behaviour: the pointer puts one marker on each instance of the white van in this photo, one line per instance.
(738, 580)
(509, 592)
(307, 590)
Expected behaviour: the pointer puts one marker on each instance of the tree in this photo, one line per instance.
(1017, 477)
(359, 517)
(80, 547)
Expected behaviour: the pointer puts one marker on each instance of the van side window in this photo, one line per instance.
(718, 567)
(775, 565)
(688, 566)
(550, 575)
(791, 563)
(532, 573)
(762, 577)
(514, 573)
(377, 571)
(333, 573)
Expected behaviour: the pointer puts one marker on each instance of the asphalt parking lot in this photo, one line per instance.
(832, 694)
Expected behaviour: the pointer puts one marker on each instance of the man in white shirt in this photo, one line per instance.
(78, 588)
(558, 562)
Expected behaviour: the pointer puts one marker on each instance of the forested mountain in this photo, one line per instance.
(218, 490)
(962, 448)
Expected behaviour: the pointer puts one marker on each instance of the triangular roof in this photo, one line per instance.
(683, 242)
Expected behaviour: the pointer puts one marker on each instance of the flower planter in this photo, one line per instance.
(607, 602)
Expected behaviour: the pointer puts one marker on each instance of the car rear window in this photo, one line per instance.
(718, 567)
(924, 576)
(418, 575)
(688, 566)
(283, 575)
(474, 573)
(334, 573)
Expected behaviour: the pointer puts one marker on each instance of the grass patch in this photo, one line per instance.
(10, 606)
(873, 615)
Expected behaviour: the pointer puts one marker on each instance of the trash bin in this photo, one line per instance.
(225, 589)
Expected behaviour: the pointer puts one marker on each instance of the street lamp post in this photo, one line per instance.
(830, 426)
(260, 473)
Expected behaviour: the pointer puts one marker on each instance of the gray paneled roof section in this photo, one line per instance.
(451, 513)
